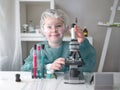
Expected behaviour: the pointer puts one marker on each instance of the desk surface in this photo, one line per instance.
(7, 82)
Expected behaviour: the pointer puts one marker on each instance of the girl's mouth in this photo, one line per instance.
(55, 35)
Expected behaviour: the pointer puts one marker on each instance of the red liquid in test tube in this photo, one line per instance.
(34, 63)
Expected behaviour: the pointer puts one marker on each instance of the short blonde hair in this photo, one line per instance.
(55, 13)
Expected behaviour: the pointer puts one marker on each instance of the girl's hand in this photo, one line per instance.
(57, 64)
(79, 34)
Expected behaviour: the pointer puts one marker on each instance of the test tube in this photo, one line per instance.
(42, 61)
(38, 61)
(34, 71)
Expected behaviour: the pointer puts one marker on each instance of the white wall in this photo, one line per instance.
(89, 12)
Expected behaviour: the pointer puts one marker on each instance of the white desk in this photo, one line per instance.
(7, 82)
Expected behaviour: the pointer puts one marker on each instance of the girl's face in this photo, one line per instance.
(54, 30)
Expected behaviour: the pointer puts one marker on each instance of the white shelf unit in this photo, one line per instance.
(109, 26)
(27, 10)
(113, 24)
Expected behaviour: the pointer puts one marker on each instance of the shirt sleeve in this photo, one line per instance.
(28, 62)
(88, 55)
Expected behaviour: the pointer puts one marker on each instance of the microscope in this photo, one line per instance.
(73, 62)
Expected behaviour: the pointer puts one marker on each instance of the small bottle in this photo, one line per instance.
(31, 27)
(85, 32)
(25, 27)
(50, 73)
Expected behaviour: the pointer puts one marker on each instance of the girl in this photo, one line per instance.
(53, 26)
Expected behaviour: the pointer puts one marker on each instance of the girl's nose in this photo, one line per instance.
(54, 29)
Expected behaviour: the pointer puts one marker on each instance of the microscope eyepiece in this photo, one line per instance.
(72, 26)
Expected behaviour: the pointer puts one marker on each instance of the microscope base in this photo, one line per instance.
(74, 80)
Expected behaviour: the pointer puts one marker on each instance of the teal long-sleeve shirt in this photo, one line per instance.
(87, 51)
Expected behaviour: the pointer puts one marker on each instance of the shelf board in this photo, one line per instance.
(36, 37)
(109, 25)
(32, 37)
(40, 37)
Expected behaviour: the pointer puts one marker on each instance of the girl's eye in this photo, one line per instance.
(59, 26)
(49, 27)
